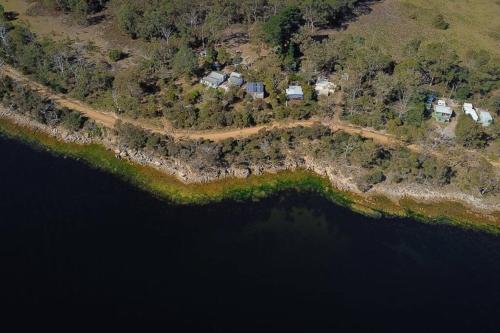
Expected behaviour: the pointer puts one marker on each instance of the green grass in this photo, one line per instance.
(393, 23)
(252, 188)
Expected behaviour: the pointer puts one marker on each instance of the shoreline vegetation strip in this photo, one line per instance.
(168, 187)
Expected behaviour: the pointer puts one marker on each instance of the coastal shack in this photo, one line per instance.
(294, 93)
(470, 111)
(442, 112)
(255, 89)
(480, 116)
(214, 79)
(235, 79)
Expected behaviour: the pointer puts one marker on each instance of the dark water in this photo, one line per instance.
(80, 247)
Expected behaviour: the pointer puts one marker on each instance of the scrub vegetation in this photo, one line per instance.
(252, 188)
(385, 58)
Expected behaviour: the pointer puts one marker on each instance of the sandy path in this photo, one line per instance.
(109, 120)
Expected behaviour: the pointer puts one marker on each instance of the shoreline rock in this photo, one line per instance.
(183, 172)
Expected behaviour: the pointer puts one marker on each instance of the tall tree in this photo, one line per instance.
(280, 28)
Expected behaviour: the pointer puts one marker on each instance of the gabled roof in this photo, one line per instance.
(217, 76)
(236, 79)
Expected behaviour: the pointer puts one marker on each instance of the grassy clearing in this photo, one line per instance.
(393, 23)
(254, 187)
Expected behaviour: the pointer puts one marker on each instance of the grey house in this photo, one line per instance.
(235, 79)
(255, 89)
(214, 79)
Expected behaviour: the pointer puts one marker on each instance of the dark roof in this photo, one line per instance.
(255, 87)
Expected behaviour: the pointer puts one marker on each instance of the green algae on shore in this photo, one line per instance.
(253, 187)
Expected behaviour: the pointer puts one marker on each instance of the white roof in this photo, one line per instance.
(443, 109)
(441, 102)
(236, 74)
(294, 90)
(468, 106)
(485, 117)
(472, 113)
(469, 109)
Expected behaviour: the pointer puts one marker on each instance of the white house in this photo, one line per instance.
(324, 87)
(442, 112)
(294, 92)
(469, 110)
(481, 116)
(214, 79)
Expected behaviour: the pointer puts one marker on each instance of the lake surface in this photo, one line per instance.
(81, 247)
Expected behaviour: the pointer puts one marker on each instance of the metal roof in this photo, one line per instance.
(485, 117)
(443, 109)
(294, 90)
(255, 87)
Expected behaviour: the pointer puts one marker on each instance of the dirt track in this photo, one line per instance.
(109, 120)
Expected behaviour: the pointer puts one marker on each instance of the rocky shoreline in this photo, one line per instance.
(337, 177)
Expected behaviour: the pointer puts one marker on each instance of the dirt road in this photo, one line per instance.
(109, 120)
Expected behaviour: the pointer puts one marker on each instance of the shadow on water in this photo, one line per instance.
(80, 246)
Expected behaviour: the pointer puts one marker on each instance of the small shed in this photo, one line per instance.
(255, 89)
(429, 100)
(485, 118)
(235, 79)
(214, 79)
(324, 87)
(442, 113)
(294, 92)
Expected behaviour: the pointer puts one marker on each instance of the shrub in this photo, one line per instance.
(440, 23)
(72, 120)
(469, 133)
(367, 181)
(116, 55)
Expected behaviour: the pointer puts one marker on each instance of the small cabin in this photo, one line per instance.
(214, 79)
(294, 93)
(235, 79)
(256, 90)
(442, 112)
